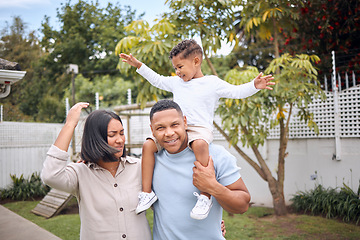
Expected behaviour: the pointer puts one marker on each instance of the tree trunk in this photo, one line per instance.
(277, 193)
(276, 43)
(276, 188)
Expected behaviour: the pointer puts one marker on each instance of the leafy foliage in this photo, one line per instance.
(330, 202)
(87, 37)
(265, 17)
(17, 45)
(249, 118)
(25, 189)
(212, 21)
(112, 90)
(151, 46)
(302, 26)
(327, 25)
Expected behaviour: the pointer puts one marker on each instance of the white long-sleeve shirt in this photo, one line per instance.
(198, 98)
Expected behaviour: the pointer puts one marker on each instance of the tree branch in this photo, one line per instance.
(246, 157)
(260, 159)
(210, 64)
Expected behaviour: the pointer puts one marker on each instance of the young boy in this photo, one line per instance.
(197, 96)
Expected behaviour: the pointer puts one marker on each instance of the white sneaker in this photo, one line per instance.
(202, 207)
(145, 201)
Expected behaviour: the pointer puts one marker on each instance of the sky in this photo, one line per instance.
(32, 12)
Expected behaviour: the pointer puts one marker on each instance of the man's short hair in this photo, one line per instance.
(186, 47)
(163, 105)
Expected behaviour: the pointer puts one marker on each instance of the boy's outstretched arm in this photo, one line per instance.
(263, 82)
(130, 59)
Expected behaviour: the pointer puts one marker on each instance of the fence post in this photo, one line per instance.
(353, 77)
(97, 101)
(337, 155)
(325, 83)
(67, 107)
(346, 80)
(129, 96)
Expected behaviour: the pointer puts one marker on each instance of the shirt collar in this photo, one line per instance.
(127, 159)
(123, 160)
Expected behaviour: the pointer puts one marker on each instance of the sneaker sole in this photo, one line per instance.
(139, 210)
(200, 217)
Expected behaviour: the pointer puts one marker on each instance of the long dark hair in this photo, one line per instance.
(94, 144)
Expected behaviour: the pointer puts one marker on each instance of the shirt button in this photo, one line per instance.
(121, 209)
(115, 185)
(124, 236)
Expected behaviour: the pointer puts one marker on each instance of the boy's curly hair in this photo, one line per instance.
(186, 47)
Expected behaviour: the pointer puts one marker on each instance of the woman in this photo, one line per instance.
(107, 185)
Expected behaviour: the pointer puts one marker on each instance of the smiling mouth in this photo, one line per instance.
(171, 141)
(120, 148)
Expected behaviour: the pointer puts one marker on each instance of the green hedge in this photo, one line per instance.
(333, 203)
(25, 189)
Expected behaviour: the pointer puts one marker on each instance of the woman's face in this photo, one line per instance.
(116, 136)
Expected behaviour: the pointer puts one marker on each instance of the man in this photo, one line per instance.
(177, 175)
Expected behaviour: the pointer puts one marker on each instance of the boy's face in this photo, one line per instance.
(187, 68)
(169, 129)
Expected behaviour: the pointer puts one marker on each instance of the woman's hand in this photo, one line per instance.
(72, 119)
(73, 116)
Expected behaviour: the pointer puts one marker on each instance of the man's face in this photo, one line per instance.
(169, 129)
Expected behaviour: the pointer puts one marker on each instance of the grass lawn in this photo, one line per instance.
(257, 223)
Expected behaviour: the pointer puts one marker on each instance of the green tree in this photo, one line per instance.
(17, 45)
(150, 45)
(209, 20)
(266, 19)
(112, 90)
(263, 22)
(212, 21)
(87, 37)
(325, 26)
(249, 119)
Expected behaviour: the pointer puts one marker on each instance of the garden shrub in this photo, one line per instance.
(332, 203)
(25, 189)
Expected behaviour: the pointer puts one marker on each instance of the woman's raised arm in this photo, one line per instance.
(72, 119)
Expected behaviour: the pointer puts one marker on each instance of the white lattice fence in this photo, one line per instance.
(324, 116)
